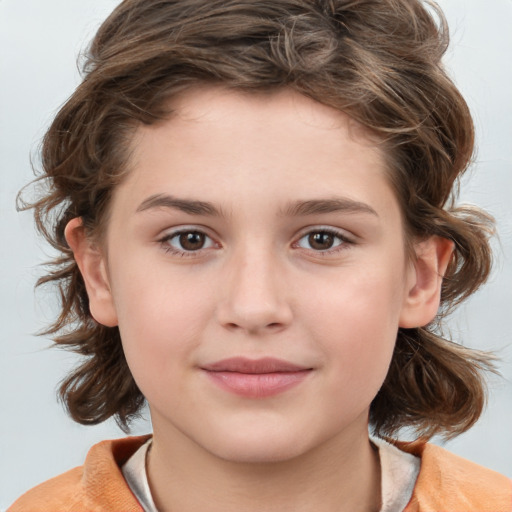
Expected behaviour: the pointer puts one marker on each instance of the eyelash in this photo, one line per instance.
(165, 243)
(344, 242)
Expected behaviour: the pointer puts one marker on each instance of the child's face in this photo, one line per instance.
(256, 227)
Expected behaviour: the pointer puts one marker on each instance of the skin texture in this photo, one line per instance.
(267, 281)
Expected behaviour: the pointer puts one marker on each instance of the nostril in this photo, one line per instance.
(273, 326)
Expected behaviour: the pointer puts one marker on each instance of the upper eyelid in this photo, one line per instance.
(342, 233)
(170, 232)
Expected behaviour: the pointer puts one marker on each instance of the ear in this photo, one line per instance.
(424, 281)
(92, 265)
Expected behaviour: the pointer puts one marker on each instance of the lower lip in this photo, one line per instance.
(257, 385)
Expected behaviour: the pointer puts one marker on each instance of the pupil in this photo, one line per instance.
(192, 241)
(321, 241)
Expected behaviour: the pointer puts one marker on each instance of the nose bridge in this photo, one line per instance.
(255, 293)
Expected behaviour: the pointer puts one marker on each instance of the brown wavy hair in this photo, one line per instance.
(377, 60)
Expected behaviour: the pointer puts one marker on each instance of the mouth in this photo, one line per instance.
(256, 378)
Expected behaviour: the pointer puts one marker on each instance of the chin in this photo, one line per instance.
(259, 447)
(256, 453)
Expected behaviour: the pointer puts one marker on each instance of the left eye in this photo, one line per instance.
(321, 240)
(189, 241)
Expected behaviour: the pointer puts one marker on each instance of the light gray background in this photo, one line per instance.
(39, 43)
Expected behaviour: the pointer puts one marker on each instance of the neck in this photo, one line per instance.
(342, 475)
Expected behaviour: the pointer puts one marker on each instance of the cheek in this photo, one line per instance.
(160, 324)
(356, 323)
(359, 299)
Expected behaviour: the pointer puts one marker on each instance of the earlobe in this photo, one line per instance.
(424, 282)
(92, 265)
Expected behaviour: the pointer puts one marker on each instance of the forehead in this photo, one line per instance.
(229, 146)
(208, 115)
(264, 109)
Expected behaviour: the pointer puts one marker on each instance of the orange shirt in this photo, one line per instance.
(446, 483)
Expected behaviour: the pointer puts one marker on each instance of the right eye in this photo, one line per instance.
(184, 242)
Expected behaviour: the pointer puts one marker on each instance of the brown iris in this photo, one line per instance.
(192, 240)
(321, 240)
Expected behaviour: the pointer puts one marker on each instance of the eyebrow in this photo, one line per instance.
(335, 204)
(298, 208)
(190, 206)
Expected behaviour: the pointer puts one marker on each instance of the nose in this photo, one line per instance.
(254, 294)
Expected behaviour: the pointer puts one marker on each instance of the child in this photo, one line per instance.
(253, 205)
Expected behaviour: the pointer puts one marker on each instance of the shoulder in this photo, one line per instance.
(447, 482)
(96, 486)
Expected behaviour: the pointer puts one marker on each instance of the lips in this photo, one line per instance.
(254, 366)
(255, 378)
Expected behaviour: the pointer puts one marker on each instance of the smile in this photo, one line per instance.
(259, 378)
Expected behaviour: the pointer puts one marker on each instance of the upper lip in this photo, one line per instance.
(246, 365)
